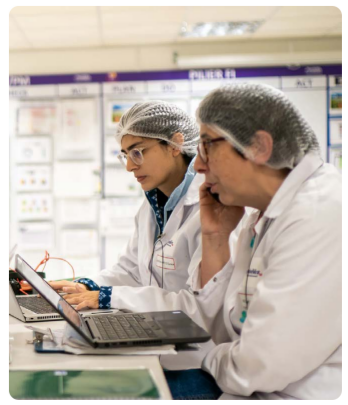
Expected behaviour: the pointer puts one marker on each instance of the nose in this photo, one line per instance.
(199, 165)
(130, 166)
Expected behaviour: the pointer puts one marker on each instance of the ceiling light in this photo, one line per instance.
(219, 29)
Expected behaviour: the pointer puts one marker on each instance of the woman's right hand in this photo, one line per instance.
(69, 286)
(216, 218)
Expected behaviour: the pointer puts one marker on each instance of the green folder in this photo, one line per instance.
(82, 384)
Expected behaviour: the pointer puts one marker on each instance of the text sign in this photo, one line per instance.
(303, 82)
(32, 91)
(78, 90)
(125, 88)
(169, 86)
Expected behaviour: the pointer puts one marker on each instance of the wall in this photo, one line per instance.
(137, 58)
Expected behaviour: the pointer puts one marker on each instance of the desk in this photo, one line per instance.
(25, 358)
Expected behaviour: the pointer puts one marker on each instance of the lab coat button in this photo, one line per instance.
(195, 292)
(215, 279)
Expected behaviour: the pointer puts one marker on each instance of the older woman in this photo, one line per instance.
(273, 302)
(274, 309)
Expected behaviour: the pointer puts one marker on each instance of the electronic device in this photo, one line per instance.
(214, 195)
(114, 330)
(31, 308)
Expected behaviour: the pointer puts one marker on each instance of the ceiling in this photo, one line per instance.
(33, 28)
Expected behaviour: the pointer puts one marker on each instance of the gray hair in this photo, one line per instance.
(238, 111)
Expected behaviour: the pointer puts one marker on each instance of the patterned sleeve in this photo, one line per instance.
(105, 297)
(90, 284)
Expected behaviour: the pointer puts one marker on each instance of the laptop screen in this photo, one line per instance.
(44, 289)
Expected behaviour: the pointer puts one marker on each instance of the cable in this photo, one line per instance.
(152, 256)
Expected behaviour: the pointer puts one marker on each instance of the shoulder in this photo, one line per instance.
(317, 203)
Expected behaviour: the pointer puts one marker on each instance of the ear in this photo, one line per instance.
(178, 138)
(262, 147)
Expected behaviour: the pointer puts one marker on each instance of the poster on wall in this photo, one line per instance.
(33, 178)
(35, 120)
(336, 102)
(78, 139)
(36, 236)
(335, 157)
(336, 131)
(115, 111)
(34, 206)
(33, 150)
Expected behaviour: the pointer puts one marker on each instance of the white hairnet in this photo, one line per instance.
(160, 120)
(237, 111)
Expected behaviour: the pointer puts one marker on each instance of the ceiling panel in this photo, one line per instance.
(142, 15)
(214, 14)
(55, 21)
(294, 12)
(97, 26)
(50, 10)
(294, 26)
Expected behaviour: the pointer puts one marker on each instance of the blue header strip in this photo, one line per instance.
(195, 74)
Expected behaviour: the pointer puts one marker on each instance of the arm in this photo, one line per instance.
(294, 320)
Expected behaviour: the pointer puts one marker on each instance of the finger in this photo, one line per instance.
(82, 305)
(74, 298)
(71, 290)
(57, 285)
(81, 287)
(88, 304)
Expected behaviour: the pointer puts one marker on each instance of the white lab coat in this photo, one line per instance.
(289, 346)
(181, 256)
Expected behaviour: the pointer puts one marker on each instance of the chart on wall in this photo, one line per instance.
(67, 185)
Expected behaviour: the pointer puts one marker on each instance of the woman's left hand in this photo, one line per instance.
(88, 299)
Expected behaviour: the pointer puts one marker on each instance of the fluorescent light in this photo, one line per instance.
(219, 29)
(245, 60)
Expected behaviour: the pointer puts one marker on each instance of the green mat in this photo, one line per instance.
(82, 384)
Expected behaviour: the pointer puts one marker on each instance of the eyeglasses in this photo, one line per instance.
(203, 147)
(135, 154)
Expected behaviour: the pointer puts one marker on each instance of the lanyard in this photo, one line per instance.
(254, 246)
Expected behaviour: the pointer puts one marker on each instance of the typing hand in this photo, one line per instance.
(68, 286)
(89, 299)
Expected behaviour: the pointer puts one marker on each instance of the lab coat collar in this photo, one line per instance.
(182, 189)
(283, 197)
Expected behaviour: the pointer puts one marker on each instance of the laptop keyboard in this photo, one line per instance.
(125, 327)
(36, 304)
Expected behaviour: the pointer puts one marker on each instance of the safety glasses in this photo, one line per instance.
(135, 154)
(204, 146)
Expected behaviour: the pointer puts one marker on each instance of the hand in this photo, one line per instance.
(216, 218)
(68, 286)
(88, 299)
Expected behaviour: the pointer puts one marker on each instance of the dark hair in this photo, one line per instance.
(187, 158)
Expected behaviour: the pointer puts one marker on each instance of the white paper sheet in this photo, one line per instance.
(33, 150)
(76, 179)
(79, 138)
(36, 236)
(79, 242)
(34, 206)
(36, 120)
(33, 178)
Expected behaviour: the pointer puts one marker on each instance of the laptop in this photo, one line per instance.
(116, 330)
(30, 308)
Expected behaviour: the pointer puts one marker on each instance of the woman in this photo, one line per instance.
(274, 309)
(158, 143)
